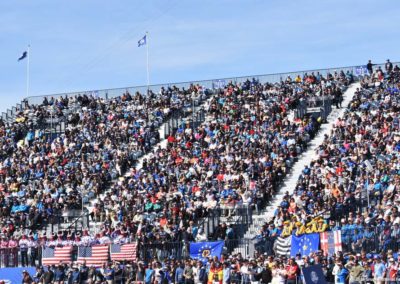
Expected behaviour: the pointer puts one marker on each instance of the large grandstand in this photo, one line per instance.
(256, 162)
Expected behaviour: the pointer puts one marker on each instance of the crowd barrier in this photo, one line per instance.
(352, 242)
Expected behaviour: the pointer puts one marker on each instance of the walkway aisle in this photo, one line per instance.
(291, 179)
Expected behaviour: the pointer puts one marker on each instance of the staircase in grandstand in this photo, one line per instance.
(246, 245)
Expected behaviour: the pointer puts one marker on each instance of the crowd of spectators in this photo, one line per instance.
(236, 158)
(42, 176)
(353, 185)
(359, 268)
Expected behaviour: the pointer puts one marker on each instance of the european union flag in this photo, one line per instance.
(203, 250)
(305, 244)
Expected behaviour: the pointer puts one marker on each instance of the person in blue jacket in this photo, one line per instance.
(342, 275)
(179, 279)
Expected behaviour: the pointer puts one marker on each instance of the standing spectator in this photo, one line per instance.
(343, 274)
(367, 274)
(278, 274)
(109, 274)
(158, 273)
(23, 248)
(369, 67)
(74, 276)
(4, 251)
(59, 275)
(356, 272)
(33, 247)
(227, 273)
(393, 269)
(200, 275)
(38, 275)
(379, 270)
(149, 275)
(188, 273)
(215, 274)
(47, 276)
(293, 271)
(84, 272)
(179, 277)
(140, 273)
(388, 66)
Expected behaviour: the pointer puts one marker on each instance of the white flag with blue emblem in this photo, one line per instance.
(142, 41)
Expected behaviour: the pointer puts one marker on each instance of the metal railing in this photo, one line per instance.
(210, 84)
(372, 240)
(376, 241)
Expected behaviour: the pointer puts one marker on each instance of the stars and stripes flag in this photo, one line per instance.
(95, 255)
(56, 255)
(123, 252)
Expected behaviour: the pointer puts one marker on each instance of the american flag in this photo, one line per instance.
(123, 252)
(56, 255)
(95, 255)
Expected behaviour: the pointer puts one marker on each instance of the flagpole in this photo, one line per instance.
(147, 60)
(27, 71)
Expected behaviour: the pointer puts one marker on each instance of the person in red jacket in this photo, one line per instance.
(293, 271)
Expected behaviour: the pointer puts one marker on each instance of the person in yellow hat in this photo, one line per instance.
(287, 229)
(312, 226)
(322, 226)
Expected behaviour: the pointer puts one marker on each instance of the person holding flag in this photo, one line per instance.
(215, 275)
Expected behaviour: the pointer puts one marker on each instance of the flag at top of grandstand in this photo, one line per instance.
(95, 255)
(142, 41)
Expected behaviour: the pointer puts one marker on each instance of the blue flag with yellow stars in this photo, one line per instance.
(305, 244)
(203, 250)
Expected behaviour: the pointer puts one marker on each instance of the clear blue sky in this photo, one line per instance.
(83, 45)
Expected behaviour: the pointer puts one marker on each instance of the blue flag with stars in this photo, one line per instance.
(203, 250)
(305, 244)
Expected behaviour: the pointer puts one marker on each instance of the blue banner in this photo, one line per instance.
(14, 274)
(313, 275)
(218, 84)
(202, 251)
(361, 70)
(305, 244)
